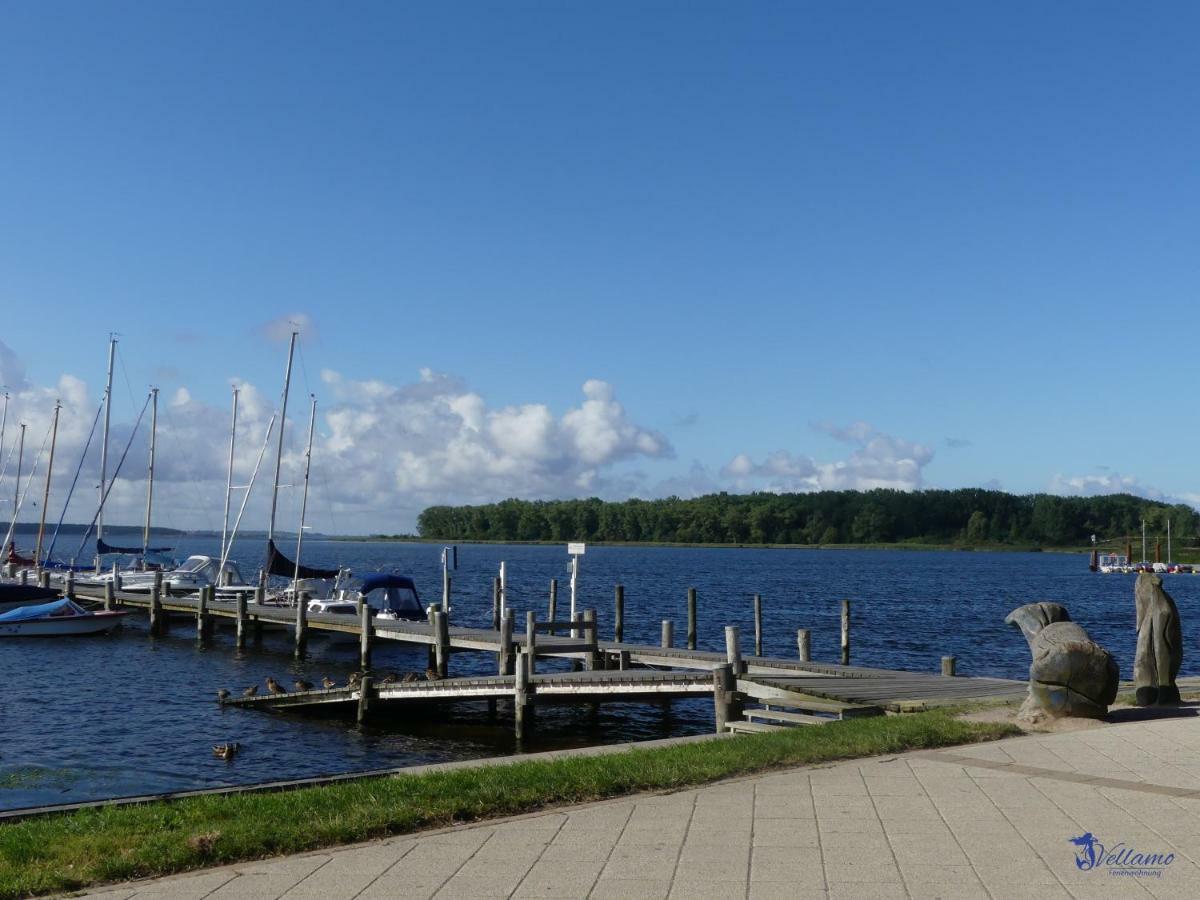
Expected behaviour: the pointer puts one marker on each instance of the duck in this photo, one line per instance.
(301, 685)
(328, 682)
(354, 679)
(389, 678)
(410, 677)
(250, 691)
(226, 751)
(431, 674)
(274, 686)
(222, 695)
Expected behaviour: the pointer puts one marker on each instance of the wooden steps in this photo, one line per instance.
(785, 718)
(741, 726)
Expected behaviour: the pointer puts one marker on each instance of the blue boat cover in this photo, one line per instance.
(386, 580)
(25, 613)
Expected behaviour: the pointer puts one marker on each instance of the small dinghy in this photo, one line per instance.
(57, 618)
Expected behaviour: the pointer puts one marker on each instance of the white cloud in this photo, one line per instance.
(1110, 482)
(280, 329)
(878, 461)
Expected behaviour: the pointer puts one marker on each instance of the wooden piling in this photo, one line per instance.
(553, 600)
(506, 660)
(691, 612)
(441, 632)
(366, 633)
(446, 580)
(804, 642)
(109, 596)
(668, 633)
(758, 634)
(260, 594)
(364, 697)
(202, 612)
(733, 649)
(301, 622)
(520, 695)
(726, 705)
(239, 640)
(619, 615)
(845, 632)
(116, 579)
(24, 579)
(592, 635)
(623, 660)
(949, 665)
(531, 640)
(44, 578)
(158, 621)
(496, 604)
(70, 586)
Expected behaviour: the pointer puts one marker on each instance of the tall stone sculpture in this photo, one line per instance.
(1159, 643)
(1070, 675)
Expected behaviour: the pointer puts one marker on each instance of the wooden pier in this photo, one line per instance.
(789, 691)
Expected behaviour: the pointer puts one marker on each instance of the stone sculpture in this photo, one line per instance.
(1159, 643)
(1070, 675)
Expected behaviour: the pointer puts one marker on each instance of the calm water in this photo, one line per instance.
(122, 714)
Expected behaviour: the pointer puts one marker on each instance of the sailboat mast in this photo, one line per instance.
(229, 472)
(112, 352)
(287, 382)
(150, 470)
(312, 421)
(12, 528)
(37, 553)
(3, 424)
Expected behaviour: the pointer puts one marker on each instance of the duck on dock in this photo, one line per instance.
(222, 695)
(410, 677)
(274, 686)
(354, 679)
(301, 685)
(431, 674)
(226, 751)
(250, 691)
(389, 678)
(328, 683)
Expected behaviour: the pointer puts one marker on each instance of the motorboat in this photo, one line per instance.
(61, 617)
(390, 596)
(192, 574)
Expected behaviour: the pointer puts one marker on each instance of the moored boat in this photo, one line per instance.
(61, 617)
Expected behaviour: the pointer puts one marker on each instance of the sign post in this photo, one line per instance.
(449, 563)
(576, 549)
(503, 592)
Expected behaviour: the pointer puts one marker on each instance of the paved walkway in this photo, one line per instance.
(985, 821)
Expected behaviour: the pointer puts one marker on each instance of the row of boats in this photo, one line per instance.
(33, 609)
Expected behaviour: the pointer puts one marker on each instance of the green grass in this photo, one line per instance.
(58, 853)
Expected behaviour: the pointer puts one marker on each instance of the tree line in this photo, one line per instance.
(967, 517)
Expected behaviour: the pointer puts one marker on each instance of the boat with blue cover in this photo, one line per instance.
(60, 617)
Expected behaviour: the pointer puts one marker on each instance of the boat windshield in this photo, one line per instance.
(193, 564)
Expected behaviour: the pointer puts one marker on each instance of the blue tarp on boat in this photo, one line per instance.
(386, 580)
(24, 613)
(399, 594)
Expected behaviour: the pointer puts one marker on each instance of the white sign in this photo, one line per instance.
(576, 549)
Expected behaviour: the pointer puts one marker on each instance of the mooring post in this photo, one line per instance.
(366, 631)
(431, 647)
(619, 617)
(441, 634)
(726, 707)
(623, 660)
(758, 642)
(495, 604)
(531, 640)
(668, 633)
(553, 601)
(24, 579)
(733, 649)
(239, 640)
(446, 589)
(301, 622)
(364, 697)
(804, 642)
(506, 643)
(44, 578)
(202, 612)
(10, 569)
(591, 635)
(70, 588)
(520, 694)
(845, 632)
(158, 622)
(949, 664)
(691, 634)
(108, 596)
(116, 579)
(260, 594)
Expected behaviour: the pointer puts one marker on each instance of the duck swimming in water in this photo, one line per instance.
(226, 751)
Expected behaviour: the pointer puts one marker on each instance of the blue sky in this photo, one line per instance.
(954, 221)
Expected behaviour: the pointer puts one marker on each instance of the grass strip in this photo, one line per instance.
(60, 853)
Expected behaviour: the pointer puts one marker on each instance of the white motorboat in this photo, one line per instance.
(390, 596)
(193, 573)
(61, 617)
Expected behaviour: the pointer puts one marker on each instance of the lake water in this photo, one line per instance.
(123, 714)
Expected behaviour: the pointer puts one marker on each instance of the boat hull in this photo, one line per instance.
(54, 626)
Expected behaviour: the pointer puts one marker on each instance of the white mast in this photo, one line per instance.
(112, 351)
(12, 528)
(150, 470)
(287, 381)
(312, 421)
(1168, 541)
(37, 553)
(229, 474)
(3, 424)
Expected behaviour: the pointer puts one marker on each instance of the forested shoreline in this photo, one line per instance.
(965, 517)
